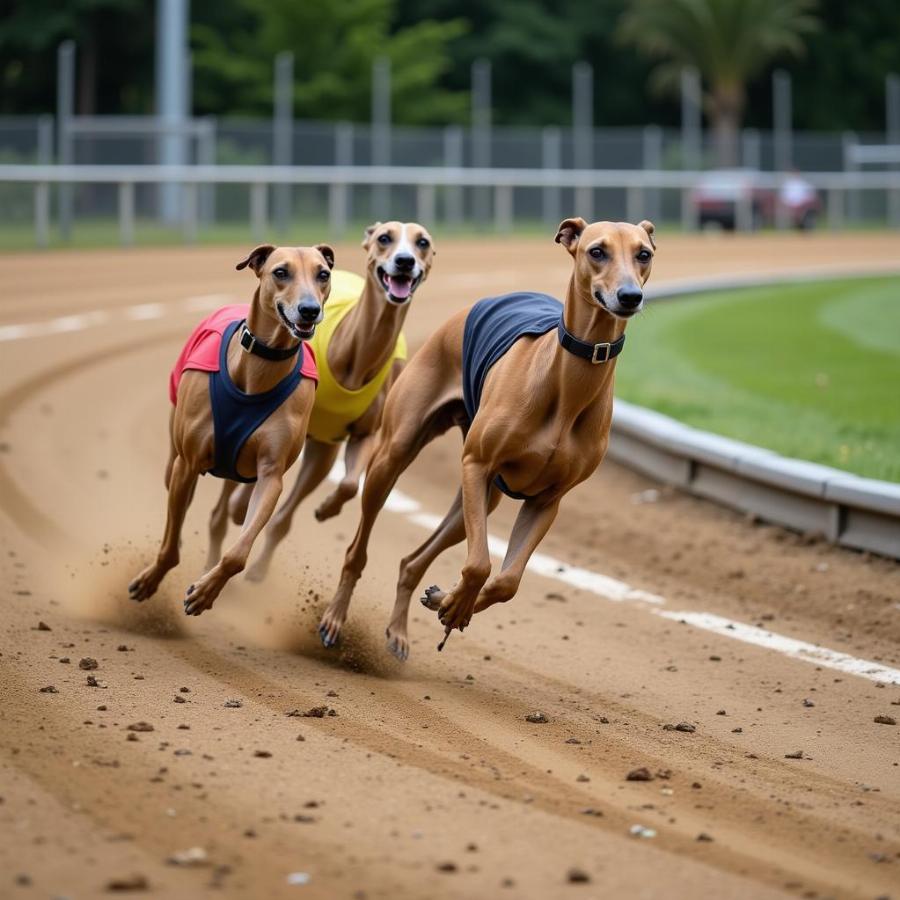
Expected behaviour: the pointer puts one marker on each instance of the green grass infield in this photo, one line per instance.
(811, 371)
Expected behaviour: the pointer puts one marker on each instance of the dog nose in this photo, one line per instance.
(308, 311)
(630, 296)
(404, 262)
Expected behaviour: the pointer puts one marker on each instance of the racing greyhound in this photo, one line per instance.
(242, 392)
(530, 383)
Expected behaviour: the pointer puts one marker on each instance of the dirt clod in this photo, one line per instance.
(797, 754)
(128, 883)
(885, 720)
(577, 876)
(50, 689)
(233, 704)
(640, 774)
(88, 663)
(537, 718)
(140, 726)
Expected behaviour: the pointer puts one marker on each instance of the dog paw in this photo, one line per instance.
(330, 628)
(433, 597)
(454, 613)
(201, 596)
(257, 572)
(398, 644)
(144, 586)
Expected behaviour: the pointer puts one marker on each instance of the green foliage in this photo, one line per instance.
(334, 47)
(808, 370)
(728, 41)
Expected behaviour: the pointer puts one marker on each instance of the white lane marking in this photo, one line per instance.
(138, 312)
(619, 591)
(144, 311)
(202, 302)
(79, 322)
(821, 656)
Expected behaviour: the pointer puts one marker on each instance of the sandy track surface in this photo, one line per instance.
(427, 780)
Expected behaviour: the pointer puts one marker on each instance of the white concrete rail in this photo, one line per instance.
(863, 513)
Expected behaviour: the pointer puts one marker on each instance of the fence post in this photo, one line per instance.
(691, 122)
(551, 158)
(751, 155)
(126, 213)
(782, 116)
(258, 210)
(503, 208)
(381, 131)
(206, 152)
(453, 159)
(42, 214)
(892, 129)
(653, 148)
(339, 209)
(189, 211)
(171, 97)
(65, 107)
(42, 189)
(583, 132)
(425, 204)
(283, 134)
(481, 133)
(852, 206)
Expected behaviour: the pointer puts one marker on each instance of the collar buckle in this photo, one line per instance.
(606, 348)
(247, 340)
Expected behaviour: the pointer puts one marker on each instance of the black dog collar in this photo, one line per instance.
(250, 343)
(594, 353)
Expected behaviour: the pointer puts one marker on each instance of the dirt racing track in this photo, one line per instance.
(427, 780)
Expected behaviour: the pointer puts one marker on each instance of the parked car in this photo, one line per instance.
(718, 196)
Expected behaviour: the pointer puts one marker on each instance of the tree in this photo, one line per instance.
(112, 38)
(728, 41)
(335, 45)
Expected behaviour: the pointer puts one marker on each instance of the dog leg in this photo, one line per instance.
(315, 464)
(202, 594)
(391, 457)
(356, 457)
(457, 606)
(182, 480)
(218, 523)
(237, 505)
(531, 526)
(451, 531)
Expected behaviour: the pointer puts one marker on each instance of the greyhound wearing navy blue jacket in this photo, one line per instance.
(530, 383)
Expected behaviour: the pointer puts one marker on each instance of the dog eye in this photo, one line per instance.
(597, 252)
(384, 239)
(644, 256)
(324, 275)
(423, 244)
(280, 272)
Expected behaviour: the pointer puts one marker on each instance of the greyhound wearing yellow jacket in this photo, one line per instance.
(360, 350)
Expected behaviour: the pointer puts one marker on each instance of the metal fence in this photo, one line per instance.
(461, 176)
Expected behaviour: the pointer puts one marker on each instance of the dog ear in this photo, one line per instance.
(367, 236)
(649, 227)
(569, 232)
(328, 253)
(257, 258)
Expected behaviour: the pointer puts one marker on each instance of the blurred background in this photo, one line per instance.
(287, 114)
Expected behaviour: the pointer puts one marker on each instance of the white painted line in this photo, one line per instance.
(821, 656)
(203, 302)
(144, 311)
(619, 591)
(540, 563)
(138, 312)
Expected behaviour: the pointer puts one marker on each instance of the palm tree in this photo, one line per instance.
(728, 41)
